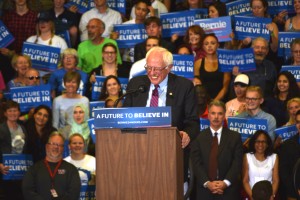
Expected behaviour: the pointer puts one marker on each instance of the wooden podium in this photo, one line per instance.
(139, 165)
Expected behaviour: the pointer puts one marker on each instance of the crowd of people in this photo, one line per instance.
(92, 50)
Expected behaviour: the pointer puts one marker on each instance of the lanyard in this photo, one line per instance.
(52, 174)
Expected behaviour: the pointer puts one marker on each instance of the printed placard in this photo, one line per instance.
(200, 13)
(118, 5)
(204, 124)
(284, 40)
(183, 65)
(242, 58)
(82, 5)
(295, 70)
(18, 165)
(276, 6)
(130, 34)
(95, 105)
(91, 123)
(6, 38)
(286, 132)
(241, 7)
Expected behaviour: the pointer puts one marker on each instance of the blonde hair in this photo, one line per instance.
(15, 59)
(296, 100)
(255, 89)
(38, 32)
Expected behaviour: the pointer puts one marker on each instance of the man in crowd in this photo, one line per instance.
(216, 156)
(52, 178)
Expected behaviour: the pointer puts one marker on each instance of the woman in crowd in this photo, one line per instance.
(38, 128)
(85, 163)
(293, 23)
(260, 163)
(12, 141)
(63, 105)
(111, 89)
(21, 63)
(293, 105)
(216, 9)
(194, 37)
(286, 88)
(295, 50)
(69, 61)
(79, 123)
(207, 69)
(190, 4)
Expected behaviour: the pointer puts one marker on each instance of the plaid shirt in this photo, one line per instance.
(21, 27)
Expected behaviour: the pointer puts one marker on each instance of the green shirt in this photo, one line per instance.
(90, 55)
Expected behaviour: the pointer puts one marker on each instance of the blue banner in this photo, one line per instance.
(43, 57)
(252, 27)
(183, 65)
(220, 26)
(88, 192)
(118, 5)
(133, 117)
(31, 96)
(95, 105)
(286, 132)
(295, 70)
(276, 6)
(247, 127)
(6, 38)
(97, 86)
(204, 124)
(82, 5)
(66, 36)
(241, 7)
(243, 58)
(130, 34)
(18, 165)
(91, 123)
(201, 13)
(284, 40)
(176, 22)
(67, 151)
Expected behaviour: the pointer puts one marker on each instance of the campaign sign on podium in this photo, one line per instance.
(132, 117)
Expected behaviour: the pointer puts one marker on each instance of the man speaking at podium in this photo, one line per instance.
(162, 88)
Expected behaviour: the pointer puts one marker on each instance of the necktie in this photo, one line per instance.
(213, 159)
(154, 98)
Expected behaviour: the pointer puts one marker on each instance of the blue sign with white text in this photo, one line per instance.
(276, 6)
(204, 124)
(286, 132)
(242, 58)
(6, 38)
(252, 27)
(43, 57)
(82, 5)
(201, 13)
(241, 7)
(133, 117)
(284, 41)
(247, 127)
(130, 34)
(183, 65)
(18, 165)
(295, 70)
(95, 105)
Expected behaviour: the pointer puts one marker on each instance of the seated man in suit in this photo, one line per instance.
(216, 156)
(171, 90)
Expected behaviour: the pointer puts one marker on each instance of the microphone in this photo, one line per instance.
(140, 89)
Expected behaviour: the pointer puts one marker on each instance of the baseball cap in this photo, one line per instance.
(242, 79)
(44, 17)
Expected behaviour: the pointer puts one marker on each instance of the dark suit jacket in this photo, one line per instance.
(140, 49)
(230, 156)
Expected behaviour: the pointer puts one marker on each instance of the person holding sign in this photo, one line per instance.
(52, 177)
(63, 105)
(260, 163)
(171, 90)
(12, 141)
(289, 153)
(194, 37)
(293, 23)
(207, 69)
(216, 156)
(254, 98)
(21, 63)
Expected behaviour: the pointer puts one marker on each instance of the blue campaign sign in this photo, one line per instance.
(130, 34)
(66, 151)
(31, 96)
(241, 7)
(276, 6)
(243, 58)
(82, 5)
(88, 192)
(18, 165)
(295, 70)
(220, 26)
(284, 40)
(91, 123)
(204, 124)
(43, 57)
(201, 13)
(6, 38)
(118, 5)
(176, 22)
(133, 117)
(183, 65)
(95, 105)
(286, 132)
(247, 127)
(252, 27)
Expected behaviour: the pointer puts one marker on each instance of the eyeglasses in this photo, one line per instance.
(34, 77)
(109, 52)
(261, 141)
(252, 99)
(155, 69)
(55, 144)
